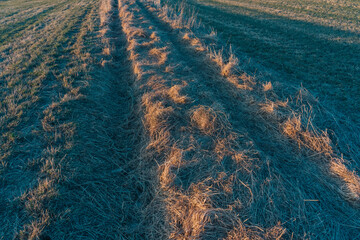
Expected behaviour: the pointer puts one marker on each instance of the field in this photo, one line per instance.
(202, 119)
(316, 43)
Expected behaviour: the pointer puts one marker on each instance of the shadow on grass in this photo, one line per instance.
(324, 59)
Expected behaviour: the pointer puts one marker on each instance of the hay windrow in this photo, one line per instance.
(129, 119)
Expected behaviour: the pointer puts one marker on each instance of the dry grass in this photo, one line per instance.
(160, 54)
(309, 137)
(318, 142)
(267, 86)
(184, 18)
(189, 210)
(264, 98)
(105, 11)
(33, 76)
(149, 128)
(207, 120)
(59, 173)
(175, 93)
(273, 38)
(195, 42)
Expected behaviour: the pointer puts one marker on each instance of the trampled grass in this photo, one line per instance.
(135, 119)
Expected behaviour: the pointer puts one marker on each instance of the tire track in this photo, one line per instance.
(98, 195)
(84, 186)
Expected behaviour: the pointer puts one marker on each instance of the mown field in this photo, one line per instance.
(314, 43)
(135, 119)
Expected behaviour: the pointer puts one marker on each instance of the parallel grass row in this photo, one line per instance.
(130, 119)
(158, 34)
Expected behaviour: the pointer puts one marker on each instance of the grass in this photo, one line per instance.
(130, 119)
(38, 81)
(313, 43)
(312, 143)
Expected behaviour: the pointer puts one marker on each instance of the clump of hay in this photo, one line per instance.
(174, 94)
(208, 121)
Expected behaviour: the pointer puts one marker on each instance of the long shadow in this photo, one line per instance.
(299, 50)
(290, 173)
